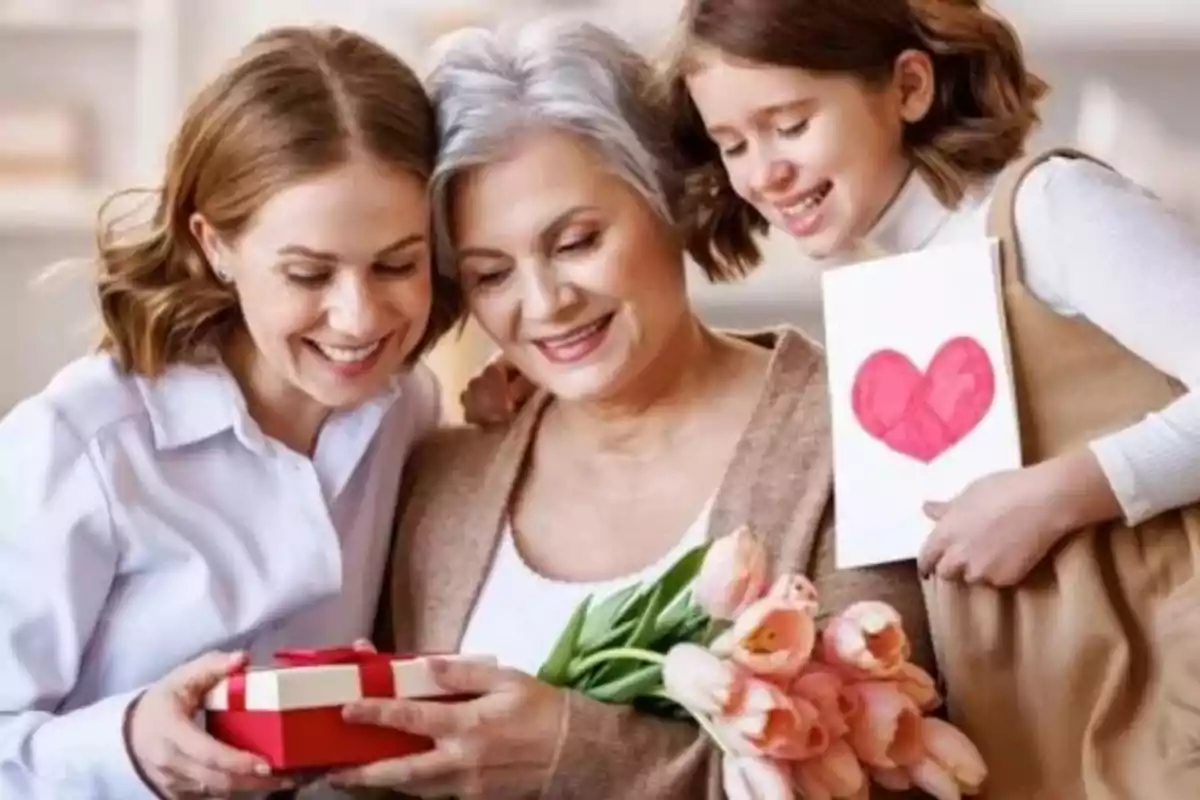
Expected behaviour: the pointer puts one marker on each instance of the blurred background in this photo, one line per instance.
(91, 89)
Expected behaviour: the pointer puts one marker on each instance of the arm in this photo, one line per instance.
(57, 564)
(1098, 247)
(644, 756)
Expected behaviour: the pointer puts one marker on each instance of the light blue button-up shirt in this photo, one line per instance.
(144, 522)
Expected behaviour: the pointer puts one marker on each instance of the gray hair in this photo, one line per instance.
(490, 88)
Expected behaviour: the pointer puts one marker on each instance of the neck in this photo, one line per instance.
(648, 412)
(281, 411)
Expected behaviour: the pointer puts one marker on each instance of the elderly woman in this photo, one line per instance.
(561, 213)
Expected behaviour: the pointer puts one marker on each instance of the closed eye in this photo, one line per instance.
(794, 130)
(729, 151)
(580, 244)
(396, 269)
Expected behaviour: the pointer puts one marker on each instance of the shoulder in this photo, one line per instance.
(1077, 193)
(453, 460)
(82, 400)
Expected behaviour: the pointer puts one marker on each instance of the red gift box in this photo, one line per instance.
(291, 715)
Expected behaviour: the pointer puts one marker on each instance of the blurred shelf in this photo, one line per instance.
(22, 21)
(37, 211)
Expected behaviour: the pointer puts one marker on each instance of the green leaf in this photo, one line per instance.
(598, 628)
(554, 671)
(641, 634)
(643, 680)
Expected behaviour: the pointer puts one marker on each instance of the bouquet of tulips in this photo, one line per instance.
(796, 710)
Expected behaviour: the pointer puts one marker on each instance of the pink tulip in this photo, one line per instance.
(887, 731)
(733, 575)
(751, 778)
(894, 779)
(919, 685)
(795, 589)
(866, 640)
(774, 637)
(951, 759)
(836, 773)
(772, 724)
(824, 688)
(702, 682)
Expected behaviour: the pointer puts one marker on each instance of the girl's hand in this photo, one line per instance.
(1001, 526)
(494, 396)
(502, 741)
(177, 757)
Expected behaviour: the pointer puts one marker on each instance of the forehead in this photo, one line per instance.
(731, 92)
(355, 203)
(541, 176)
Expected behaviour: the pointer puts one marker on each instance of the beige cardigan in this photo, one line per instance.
(779, 482)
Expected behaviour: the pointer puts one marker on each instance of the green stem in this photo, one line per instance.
(614, 654)
(703, 721)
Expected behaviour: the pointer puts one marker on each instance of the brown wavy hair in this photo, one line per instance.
(294, 104)
(984, 108)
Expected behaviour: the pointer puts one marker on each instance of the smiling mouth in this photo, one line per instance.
(807, 201)
(576, 343)
(340, 354)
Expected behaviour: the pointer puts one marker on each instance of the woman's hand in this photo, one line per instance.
(502, 741)
(494, 396)
(1001, 526)
(176, 756)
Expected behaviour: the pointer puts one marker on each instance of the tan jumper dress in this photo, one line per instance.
(1083, 682)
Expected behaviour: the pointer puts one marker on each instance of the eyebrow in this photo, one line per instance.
(768, 111)
(547, 235)
(318, 255)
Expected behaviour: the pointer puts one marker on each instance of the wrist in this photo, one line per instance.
(131, 752)
(1075, 492)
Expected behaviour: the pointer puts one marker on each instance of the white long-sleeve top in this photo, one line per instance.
(144, 522)
(1097, 246)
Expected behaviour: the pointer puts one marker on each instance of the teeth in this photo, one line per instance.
(575, 336)
(810, 202)
(348, 355)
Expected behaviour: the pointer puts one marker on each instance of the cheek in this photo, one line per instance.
(274, 312)
(495, 314)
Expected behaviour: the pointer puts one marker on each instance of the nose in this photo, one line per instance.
(544, 293)
(354, 309)
(770, 175)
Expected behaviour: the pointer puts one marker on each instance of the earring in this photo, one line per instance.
(222, 275)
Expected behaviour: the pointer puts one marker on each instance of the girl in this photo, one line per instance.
(900, 124)
(222, 475)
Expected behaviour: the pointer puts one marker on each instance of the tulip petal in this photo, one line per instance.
(774, 638)
(888, 731)
(867, 639)
(895, 779)
(822, 687)
(839, 769)
(954, 752)
(747, 778)
(701, 681)
(930, 777)
(919, 685)
(733, 575)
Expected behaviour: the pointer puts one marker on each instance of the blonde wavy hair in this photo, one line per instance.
(294, 104)
(984, 109)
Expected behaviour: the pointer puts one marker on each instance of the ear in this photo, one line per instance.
(210, 244)
(914, 81)
(206, 236)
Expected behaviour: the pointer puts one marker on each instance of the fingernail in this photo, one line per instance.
(262, 769)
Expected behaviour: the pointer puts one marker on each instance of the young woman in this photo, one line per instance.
(220, 478)
(898, 125)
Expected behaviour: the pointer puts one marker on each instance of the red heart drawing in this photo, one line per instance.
(923, 415)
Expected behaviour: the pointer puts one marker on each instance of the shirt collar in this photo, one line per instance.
(189, 403)
(911, 220)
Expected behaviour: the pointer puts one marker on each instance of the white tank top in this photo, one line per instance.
(521, 613)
